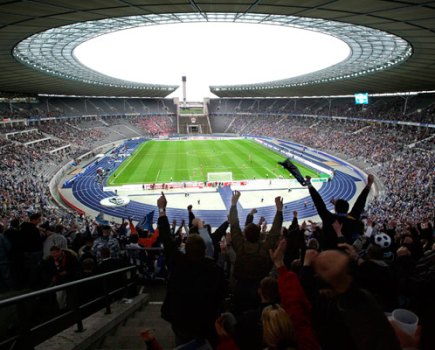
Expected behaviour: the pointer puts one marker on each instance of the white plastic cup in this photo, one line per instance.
(406, 320)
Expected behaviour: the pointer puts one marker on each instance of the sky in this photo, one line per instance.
(210, 54)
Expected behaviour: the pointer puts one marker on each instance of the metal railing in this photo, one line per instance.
(32, 327)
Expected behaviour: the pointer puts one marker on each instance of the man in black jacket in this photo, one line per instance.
(196, 285)
(32, 245)
(352, 226)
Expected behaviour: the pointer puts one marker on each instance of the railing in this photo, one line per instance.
(33, 327)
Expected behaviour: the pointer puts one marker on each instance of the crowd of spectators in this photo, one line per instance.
(415, 108)
(8, 128)
(27, 136)
(82, 137)
(329, 285)
(48, 145)
(26, 112)
(400, 154)
(53, 107)
(373, 144)
(25, 173)
(35, 140)
(409, 182)
(34, 242)
(326, 285)
(23, 183)
(25, 170)
(23, 167)
(307, 286)
(154, 126)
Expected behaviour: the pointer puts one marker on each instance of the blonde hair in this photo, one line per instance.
(278, 332)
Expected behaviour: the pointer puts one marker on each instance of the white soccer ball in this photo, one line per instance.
(382, 240)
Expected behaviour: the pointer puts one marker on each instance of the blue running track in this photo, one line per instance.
(86, 190)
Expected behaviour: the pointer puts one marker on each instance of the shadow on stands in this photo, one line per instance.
(35, 317)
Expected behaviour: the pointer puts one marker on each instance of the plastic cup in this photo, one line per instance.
(406, 320)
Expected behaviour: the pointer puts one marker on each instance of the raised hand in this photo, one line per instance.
(262, 220)
(162, 202)
(235, 198)
(219, 326)
(279, 203)
(370, 180)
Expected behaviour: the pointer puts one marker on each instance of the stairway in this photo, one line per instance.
(226, 193)
(126, 336)
(121, 329)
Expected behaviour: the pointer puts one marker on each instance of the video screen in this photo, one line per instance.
(361, 98)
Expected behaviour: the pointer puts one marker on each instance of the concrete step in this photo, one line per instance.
(97, 327)
(126, 336)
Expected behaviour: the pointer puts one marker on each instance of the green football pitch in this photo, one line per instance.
(182, 161)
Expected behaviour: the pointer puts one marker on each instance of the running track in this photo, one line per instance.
(87, 191)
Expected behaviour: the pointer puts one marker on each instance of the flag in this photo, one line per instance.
(100, 219)
(147, 222)
(287, 164)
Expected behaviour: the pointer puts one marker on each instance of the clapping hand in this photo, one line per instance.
(277, 255)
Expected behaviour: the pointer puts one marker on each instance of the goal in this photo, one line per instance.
(220, 177)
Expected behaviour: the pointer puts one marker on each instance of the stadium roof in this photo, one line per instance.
(412, 69)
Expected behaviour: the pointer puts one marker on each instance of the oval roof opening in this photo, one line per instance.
(210, 53)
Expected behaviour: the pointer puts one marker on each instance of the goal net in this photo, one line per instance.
(220, 177)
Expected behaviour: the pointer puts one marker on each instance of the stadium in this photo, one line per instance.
(84, 153)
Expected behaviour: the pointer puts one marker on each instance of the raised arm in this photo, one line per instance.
(220, 232)
(236, 232)
(295, 224)
(275, 231)
(203, 232)
(360, 203)
(170, 247)
(294, 301)
(191, 215)
(320, 205)
(250, 217)
(133, 230)
(318, 201)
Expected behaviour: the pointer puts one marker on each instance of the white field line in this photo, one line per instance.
(130, 159)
